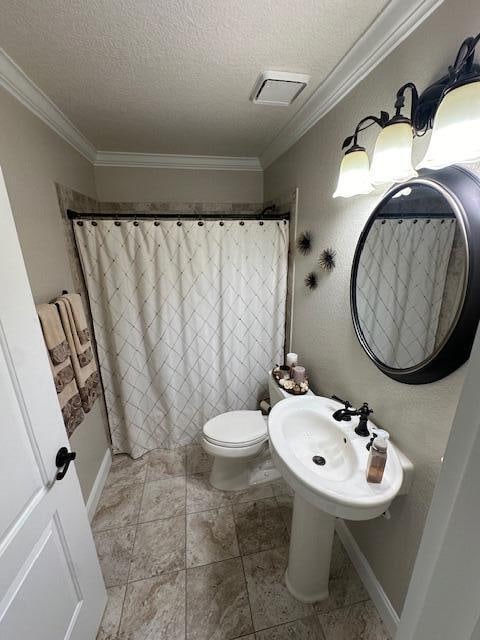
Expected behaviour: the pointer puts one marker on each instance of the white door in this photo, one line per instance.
(51, 587)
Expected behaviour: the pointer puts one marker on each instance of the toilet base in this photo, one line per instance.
(230, 474)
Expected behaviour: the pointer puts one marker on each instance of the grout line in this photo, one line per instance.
(248, 593)
(131, 556)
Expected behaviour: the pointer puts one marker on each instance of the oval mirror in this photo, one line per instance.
(415, 278)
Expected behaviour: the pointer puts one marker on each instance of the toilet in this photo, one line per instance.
(238, 442)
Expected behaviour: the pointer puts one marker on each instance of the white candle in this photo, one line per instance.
(298, 374)
(292, 359)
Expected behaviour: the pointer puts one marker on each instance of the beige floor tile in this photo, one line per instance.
(164, 463)
(211, 537)
(217, 602)
(118, 507)
(163, 499)
(114, 550)
(340, 562)
(201, 496)
(358, 622)
(125, 470)
(198, 461)
(154, 609)
(304, 629)
(281, 488)
(285, 504)
(259, 526)
(159, 548)
(113, 611)
(270, 601)
(346, 589)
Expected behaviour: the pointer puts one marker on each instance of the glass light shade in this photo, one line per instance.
(354, 177)
(392, 158)
(456, 129)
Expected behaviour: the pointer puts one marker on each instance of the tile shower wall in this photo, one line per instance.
(92, 438)
(182, 560)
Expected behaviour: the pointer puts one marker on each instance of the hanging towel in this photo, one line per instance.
(84, 366)
(61, 366)
(80, 332)
(53, 333)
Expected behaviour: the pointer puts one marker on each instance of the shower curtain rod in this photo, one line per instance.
(264, 215)
(415, 216)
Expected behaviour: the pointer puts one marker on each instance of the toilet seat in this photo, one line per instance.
(236, 429)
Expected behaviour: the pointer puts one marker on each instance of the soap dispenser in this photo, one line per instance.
(377, 460)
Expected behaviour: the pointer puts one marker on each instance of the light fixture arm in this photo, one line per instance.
(463, 64)
(371, 120)
(400, 101)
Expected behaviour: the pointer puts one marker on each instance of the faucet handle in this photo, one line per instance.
(365, 410)
(346, 403)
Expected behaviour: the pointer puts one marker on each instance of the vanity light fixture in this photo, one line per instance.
(456, 130)
(450, 106)
(354, 176)
(392, 157)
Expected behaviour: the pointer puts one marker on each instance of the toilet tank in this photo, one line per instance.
(277, 393)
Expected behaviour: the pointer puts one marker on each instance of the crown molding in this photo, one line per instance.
(16, 82)
(387, 31)
(173, 161)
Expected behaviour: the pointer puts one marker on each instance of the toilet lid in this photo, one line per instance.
(236, 428)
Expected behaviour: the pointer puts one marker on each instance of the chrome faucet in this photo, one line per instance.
(347, 412)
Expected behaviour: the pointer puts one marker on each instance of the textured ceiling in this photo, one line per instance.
(175, 77)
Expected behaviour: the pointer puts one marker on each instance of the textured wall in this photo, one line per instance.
(33, 158)
(119, 184)
(419, 417)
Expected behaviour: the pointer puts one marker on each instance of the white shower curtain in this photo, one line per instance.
(400, 283)
(188, 319)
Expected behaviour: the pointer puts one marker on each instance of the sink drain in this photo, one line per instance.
(320, 460)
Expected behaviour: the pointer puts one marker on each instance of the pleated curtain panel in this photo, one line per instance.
(400, 287)
(188, 319)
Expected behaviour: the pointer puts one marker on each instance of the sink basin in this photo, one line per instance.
(324, 461)
(302, 428)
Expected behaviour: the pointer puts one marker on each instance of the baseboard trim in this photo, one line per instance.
(369, 579)
(98, 485)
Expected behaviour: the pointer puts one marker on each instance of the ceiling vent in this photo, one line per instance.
(278, 88)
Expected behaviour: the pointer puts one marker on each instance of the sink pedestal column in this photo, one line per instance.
(308, 568)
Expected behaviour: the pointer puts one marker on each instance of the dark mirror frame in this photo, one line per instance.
(461, 188)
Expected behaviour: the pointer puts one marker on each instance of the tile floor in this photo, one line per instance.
(183, 561)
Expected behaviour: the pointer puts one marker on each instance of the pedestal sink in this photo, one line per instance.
(324, 461)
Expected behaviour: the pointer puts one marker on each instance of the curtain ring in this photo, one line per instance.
(179, 223)
(261, 223)
(200, 223)
(135, 223)
(156, 223)
(80, 223)
(221, 223)
(94, 223)
(242, 222)
(117, 223)
(400, 221)
(428, 221)
(415, 221)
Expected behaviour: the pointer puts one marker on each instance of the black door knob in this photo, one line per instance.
(62, 461)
